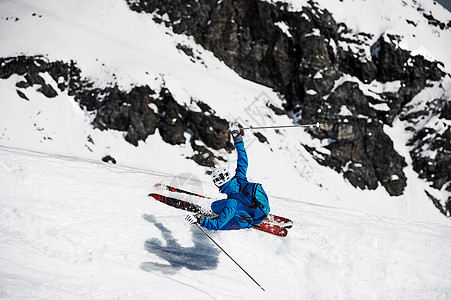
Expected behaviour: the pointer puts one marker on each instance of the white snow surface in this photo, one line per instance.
(78, 229)
(73, 227)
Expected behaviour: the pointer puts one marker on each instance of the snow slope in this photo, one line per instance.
(73, 227)
(77, 229)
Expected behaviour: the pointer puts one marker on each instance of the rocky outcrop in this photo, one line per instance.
(30, 69)
(303, 55)
(325, 73)
(138, 112)
(431, 146)
(358, 146)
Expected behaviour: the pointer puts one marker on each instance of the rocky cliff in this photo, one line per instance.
(138, 112)
(323, 71)
(310, 59)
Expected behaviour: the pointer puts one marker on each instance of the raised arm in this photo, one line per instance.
(242, 162)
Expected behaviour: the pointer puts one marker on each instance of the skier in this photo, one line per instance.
(246, 205)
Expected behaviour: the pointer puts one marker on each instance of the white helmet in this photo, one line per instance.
(220, 176)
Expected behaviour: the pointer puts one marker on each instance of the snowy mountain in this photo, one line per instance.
(102, 100)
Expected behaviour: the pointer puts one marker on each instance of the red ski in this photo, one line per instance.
(272, 228)
(177, 190)
(177, 203)
(271, 219)
(184, 205)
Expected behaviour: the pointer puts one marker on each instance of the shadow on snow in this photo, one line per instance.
(202, 256)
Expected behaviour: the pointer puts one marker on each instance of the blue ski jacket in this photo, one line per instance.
(246, 204)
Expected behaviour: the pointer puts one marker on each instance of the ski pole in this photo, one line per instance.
(228, 256)
(281, 126)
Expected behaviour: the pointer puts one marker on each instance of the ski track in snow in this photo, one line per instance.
(76, 228)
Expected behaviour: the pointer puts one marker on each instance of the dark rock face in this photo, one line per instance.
(128, 112)
(358, 145)
(437, 170)
(303, 63)
(431, 146)
(138, 112)
(109, 159)
(309, 59)
(394, 63)
(244, 34)
(30, 68)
